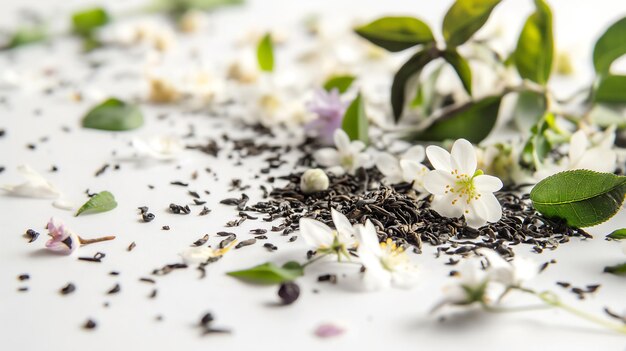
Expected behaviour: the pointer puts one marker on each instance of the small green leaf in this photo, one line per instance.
(529, 108)
(465, 18)
(611, 89)
(396, 33)
(582, 198)
(265, 53)
(269, 273)
(355, 122)
(619, 269)
(462, 68)
(114, 115)
(26, 35)
(101, 202)
(86, 21)
(609, 47)
(618, 234)
(538, 145)
(341, 83)
(177, 8)
(426, 96)
(408, 70)
(535, 46)
(472, 121)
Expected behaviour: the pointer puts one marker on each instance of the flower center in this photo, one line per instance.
(393, 255)
(347, 161)
(463, 187)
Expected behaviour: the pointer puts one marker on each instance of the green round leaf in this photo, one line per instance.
(465, 18)
(582, 198)
(101, 202)
(86, 21)
(610, 46)
(535, 46)
(396, 33)
(114, 115)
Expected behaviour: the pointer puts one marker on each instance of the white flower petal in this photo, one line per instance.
(577, 146)
(487, 183)
(492, 207)
(389, 166)
(316, 234)
(342, 141)
(415, 153)
(368, 238)
(376, 277)
(437, 182)
(439, 158)
(474, 217)
(463, 157)
(35, 186)
(413, 171)
(357, 146)
(345, 231)
(405, 278)
(442, 204)
(597, 159)
(327, 157)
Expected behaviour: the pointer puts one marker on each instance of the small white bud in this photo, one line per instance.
(313, 180)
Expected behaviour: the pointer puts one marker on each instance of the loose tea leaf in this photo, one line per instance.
(465, 18)
(609, 47)
(269, 273)
(396, 33)
(341, 83)
(582, 198)
(101, 202)
(113, 115)
(535, 47)
(265, 53)
(618, 234)
(355, 122)
(473, 122)
(461, 67)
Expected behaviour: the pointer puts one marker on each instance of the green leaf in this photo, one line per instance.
(582, 198)
(177, 8)
(465, 18)
(611, 89)
(426, 96)
(609, 47)
(535, 46)
(26, 35)
(341, 83)
(473, 121)
(396, 33)
(462, 68)
(619, 269)
(265, 53)
(114, 115)
(269, 273)
(86, 21)
(538, 145)
(355, 122)
(408, 70)
(101, 202)
(529, 108)
(618, 234)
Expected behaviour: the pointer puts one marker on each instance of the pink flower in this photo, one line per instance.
(62, 240)
(329, 110)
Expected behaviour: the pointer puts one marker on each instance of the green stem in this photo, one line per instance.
(314, 260)
(497, 309)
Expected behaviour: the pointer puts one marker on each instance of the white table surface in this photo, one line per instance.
(43, 319)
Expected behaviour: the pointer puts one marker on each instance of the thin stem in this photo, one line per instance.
(497, 309)
(96, 240)
(314, 260)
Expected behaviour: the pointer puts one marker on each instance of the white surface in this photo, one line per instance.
(43, 319)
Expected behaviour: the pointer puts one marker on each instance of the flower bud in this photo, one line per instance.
(313, 180)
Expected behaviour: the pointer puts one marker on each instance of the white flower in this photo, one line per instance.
(600, 158)
(458, 188)
(162, 148)
(408, 168)
(313, 180)
(509, 274)
(203, 254)
(347, 157)
(327, 241)
(35, 186)
(472, 286)
(385, 263)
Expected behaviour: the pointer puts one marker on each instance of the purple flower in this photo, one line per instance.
(329, 110)
(62, 240)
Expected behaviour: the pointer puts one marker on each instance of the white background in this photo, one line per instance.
(43, 319)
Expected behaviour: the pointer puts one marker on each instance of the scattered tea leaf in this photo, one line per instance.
(265, 53)
(396, 33)
(465, 18)
(582, 198)
(101, 202)
(269, 273)
(355, 122)
(341, 83)
(535, 46)
(113, 115)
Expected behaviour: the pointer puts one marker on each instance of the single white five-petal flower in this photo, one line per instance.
(408, 168)
(458, 188)
(327, 241)
(509, 274)
(347, 156)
